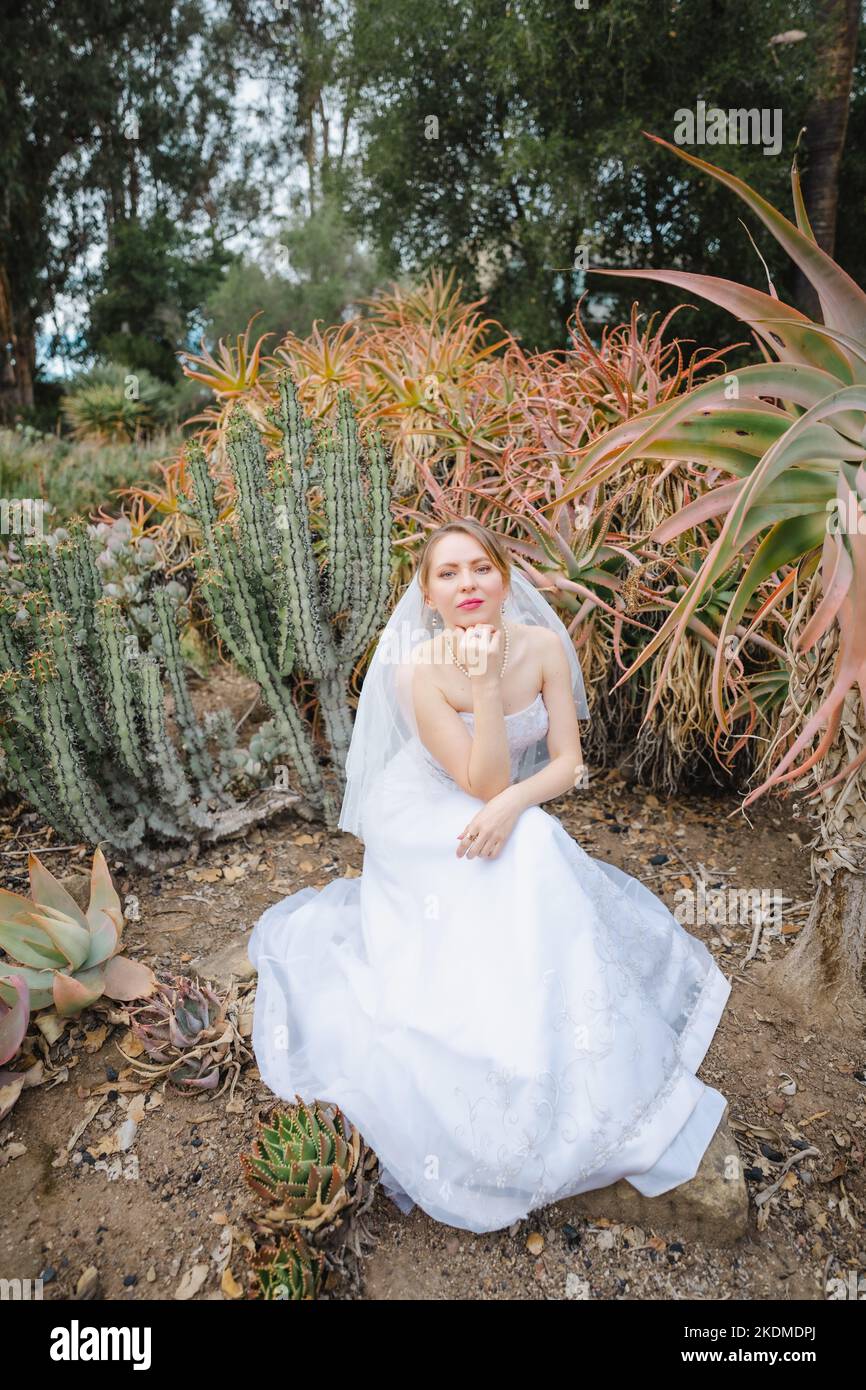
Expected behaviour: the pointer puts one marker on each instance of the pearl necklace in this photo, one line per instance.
(460, 665)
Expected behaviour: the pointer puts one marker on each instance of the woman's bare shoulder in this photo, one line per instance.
(539, 639)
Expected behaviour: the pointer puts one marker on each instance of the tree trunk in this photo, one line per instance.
(823, 976)
(18, 360)
(826, 124)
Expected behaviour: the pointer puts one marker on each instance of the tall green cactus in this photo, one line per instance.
(277, 607)
(83, 726)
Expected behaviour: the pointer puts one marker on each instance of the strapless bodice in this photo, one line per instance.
(522, 728)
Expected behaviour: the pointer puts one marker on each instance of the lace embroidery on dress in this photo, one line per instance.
(647, 961)
(622, 946)
(495, 1166)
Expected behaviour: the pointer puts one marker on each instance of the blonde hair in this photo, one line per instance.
(488, 540)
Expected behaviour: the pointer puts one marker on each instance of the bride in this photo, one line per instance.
(506, 1020)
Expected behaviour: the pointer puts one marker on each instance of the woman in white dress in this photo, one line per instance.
(506, 1020)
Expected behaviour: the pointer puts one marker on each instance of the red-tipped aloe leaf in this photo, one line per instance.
(39, 982)
(790, 337)
(806, 386)
(14, 1020)
(842, 300)
(103, 895)
(72, 993)
(45, 890)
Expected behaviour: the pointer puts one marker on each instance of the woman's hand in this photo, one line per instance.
(479, 648)
(487, 831)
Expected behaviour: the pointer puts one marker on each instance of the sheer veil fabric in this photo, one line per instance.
(503, 1031)
(385, 719)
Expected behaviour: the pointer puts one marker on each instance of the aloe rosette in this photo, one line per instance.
(67, 958)
(789, 435)
(186, 1032)
(290, 1270)
(302, 1161)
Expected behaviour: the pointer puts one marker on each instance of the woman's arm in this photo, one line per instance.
(490, 828)
(563, 736)
(480, 765)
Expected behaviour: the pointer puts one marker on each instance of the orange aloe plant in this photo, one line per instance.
(789, 434)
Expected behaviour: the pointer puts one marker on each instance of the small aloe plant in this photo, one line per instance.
(289, 1270)
(186, 1031)
(301, 1162)
(67, 957)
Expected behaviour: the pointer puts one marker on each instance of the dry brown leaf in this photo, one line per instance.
(94, 1038)
(135, 1109)
(229, 1285)
(192, 1281)
(51, 1025)
(131, 1045)
(92, 1109)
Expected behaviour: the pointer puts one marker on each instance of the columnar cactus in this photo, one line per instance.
(279, 605)
(83, 735)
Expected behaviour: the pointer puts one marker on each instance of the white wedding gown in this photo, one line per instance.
(504, 1032)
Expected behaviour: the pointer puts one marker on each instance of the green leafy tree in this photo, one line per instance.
(313, 269)
(153, 287)
(501, 138)
(110, 112)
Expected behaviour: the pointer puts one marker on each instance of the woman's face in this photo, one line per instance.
(463, 583)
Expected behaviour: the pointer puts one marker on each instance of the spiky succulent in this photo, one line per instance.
(185, 1029)
(790, 433)
(289, 1270)
(67, 957)
(301, 1162)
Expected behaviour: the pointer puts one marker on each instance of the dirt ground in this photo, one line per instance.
(169, 1217)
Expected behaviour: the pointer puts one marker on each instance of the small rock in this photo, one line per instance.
(88, 1283)
(230, 961)
(772, 1154)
